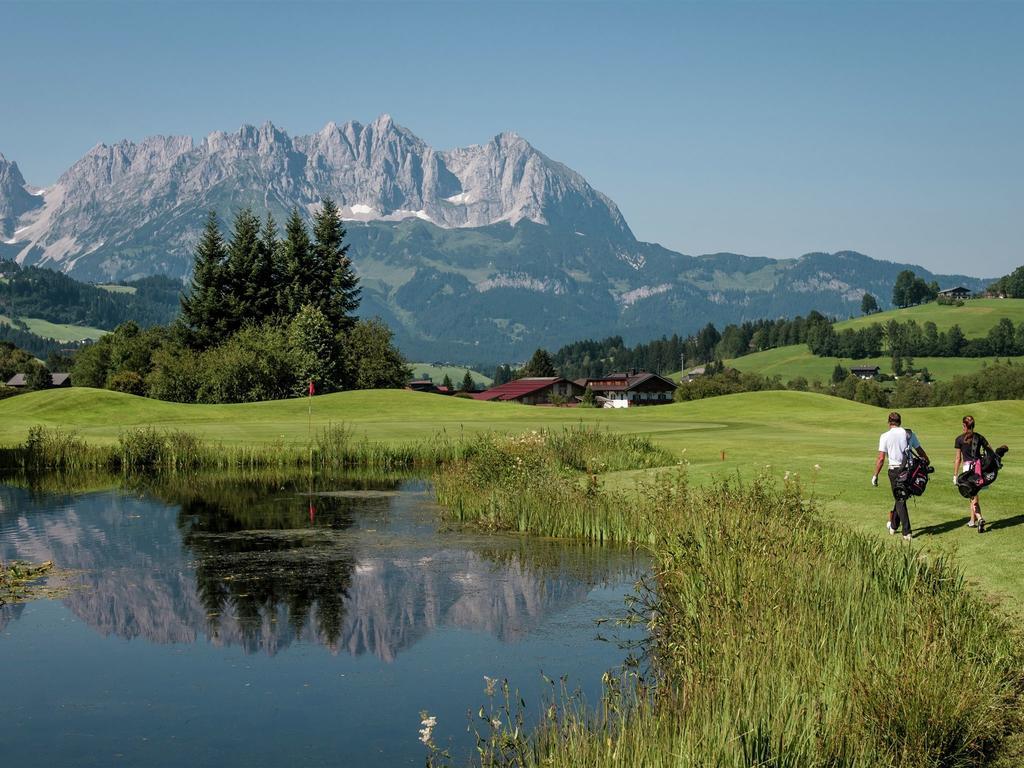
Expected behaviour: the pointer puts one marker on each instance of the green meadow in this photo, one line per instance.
(975, 317)
(828, 442)
(453, 372)
(797, 360)
(58, 331)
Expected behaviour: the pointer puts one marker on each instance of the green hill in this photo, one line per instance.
(975, 317)
(58, 331)
(797, 360)
(436, 373)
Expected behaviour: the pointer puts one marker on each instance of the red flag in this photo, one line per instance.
(311, 391)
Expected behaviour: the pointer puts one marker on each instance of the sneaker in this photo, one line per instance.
(970, 524)
(981, 525)
(908, 536)
(889, 528)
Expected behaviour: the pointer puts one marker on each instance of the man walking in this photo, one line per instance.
(894, 445)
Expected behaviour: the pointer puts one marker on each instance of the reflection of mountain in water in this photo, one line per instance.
(264, 566)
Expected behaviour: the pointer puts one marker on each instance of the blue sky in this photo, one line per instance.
(770, 129)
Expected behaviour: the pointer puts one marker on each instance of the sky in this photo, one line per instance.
(763, 128)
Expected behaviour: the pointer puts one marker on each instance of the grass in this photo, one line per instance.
(779, 639)
(57, 331)
(454, 372)
(797, 360)
(778, 431)
(975, 317)
(114, 288)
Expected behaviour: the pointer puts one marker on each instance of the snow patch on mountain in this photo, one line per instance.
(630, 298)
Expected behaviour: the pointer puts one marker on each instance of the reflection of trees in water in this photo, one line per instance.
(264, 554)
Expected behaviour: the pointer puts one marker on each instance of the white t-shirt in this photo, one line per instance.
(894, 443)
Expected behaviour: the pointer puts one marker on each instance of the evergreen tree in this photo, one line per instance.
(202, 309)
(868, 304)
(265, 281)
(336, 288)
(296, 264)
(540, 365)
(447, 382)
(468, 385)
(244, 257)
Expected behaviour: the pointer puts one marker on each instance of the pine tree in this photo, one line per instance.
(448, 382)
(296, 266)
(242, 264)
(203, 310)
(336, 288)
(265, 279)
(540, 365)
(468, 385)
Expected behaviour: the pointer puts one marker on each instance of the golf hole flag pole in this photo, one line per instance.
(309, 417)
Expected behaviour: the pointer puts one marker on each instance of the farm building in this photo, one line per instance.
(957, 293)
(532, 391)
(620, 390)
(865, 371)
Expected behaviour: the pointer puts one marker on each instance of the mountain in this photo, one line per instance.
(475, 254)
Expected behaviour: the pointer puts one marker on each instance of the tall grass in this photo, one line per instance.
(779, 639)
(152, 450)
(545, 483)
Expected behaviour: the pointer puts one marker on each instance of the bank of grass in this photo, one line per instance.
(58, 331)
(975, 317)
(778, 638)
(546, 483)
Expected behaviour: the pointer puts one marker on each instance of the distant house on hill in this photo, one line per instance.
(864, 371)
(621, 390)
(20, 380)
(957, 294)
(427, 385)
(532, 391)
(693, 373)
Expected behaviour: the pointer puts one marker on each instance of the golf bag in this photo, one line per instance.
(982, 474)
(913, 477)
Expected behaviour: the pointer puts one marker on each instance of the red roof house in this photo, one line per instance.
(532, 391)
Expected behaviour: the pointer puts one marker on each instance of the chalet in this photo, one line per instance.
(957, 294)
(621, 390)
(532, 391)
(20, 380)
(864, 371)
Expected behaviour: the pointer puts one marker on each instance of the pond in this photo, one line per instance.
(228, 623)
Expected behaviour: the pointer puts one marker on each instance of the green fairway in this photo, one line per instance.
(58, 331)
(454, 372)
(774, 432)
(797, 360)
(975, 317)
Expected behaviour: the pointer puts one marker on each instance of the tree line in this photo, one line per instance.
(909, 339)
(265, 318)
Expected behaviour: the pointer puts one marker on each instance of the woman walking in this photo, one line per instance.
(969, 446)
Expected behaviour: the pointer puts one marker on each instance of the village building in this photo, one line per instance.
(957, 294)
(693, 374)
(865, 371)
(20, 380)
(622, 390)
(533, 391)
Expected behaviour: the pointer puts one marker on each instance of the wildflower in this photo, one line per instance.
(817, 467)
(427, 731)
(787, 475)
(495, 723)
(490, 682)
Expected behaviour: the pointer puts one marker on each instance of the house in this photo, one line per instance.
(532, 391)
(693, 373)
(427, 385)
(621, 390)
(20, 380)
(864, 371)
(957, 294)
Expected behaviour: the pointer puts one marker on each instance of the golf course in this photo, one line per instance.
(829, 444)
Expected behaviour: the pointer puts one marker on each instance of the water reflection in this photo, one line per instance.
(356, 566)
